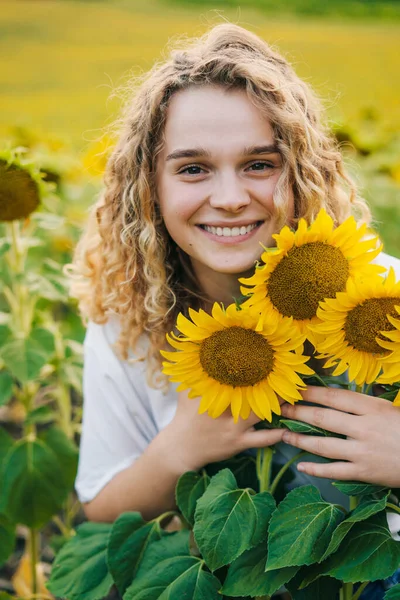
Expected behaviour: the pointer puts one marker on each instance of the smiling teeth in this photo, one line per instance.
(230, 231)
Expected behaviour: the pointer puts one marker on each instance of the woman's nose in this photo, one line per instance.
(230, 195)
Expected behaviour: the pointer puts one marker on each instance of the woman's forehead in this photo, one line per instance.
(211, 117)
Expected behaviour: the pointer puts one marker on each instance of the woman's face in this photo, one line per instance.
(216, 177)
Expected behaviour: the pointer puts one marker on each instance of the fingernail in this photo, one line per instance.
(300, 467)
(286, 436)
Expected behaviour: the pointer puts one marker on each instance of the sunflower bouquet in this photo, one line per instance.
(255, 535)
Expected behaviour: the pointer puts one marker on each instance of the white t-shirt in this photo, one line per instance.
(122, 414)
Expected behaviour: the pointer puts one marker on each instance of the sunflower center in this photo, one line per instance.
(366, 320)
(237, 356)
(305, 276)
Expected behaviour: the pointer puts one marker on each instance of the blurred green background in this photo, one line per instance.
(63, 60)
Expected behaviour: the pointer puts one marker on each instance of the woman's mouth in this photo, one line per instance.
(228, 232)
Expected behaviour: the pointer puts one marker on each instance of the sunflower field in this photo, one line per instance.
(61, 62)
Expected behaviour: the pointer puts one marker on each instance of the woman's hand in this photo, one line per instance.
(196, 440)
(370, 453)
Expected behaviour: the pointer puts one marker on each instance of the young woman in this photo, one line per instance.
(220, 146)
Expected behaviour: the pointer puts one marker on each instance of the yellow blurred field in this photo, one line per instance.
(61, 60)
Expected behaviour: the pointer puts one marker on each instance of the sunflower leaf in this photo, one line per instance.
(190, 487)
(33, 484)
(368, 554)
(299, 427)
(301, 528)
(229, 520)
(129, 538)
(393, 593)
(7, 538)
(169, 571)
(355, 488)
(367, 507)
(84, 556)
(247, 576)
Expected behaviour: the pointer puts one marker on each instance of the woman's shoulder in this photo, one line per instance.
(387, 261)
(106, 335)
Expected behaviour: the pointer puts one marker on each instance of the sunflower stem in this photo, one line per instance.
(264, 466)
(393, 507)
(347, 591)
(360, 590)
(283, 470)
(353, 502)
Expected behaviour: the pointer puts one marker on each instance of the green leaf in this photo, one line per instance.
(66, 451)
(24, 357)
(301, 528)
(355, 488)
(229, 520)
(33, 489)
(368, 554)
(41, 414)
(45, 339)
(306, 428)
(392, 594)
(242, 466)
(190, 487)
(7, 538)
(5, 596)
(80, 569)
(6, 387)
(168, 571)
(299, 427)
(6, 442)
(325, 587)
(247, 576)
(367, 507)
(128, 541)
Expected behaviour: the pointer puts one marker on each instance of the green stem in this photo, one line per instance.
(264, 466)
(360, 590)
(393, 507)
(283, 470)
(347, 591)
(33, 538)
(353, 502)
(63, 528)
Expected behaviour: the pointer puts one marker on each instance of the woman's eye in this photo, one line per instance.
(261, 166)
(191, 170)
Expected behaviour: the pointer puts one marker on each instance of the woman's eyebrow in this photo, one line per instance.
(189, 153)
(196, 152)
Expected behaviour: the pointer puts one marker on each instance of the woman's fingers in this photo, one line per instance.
(322, 446)
(345, 400)
(336, 470)
(332, 420)
(261, 438)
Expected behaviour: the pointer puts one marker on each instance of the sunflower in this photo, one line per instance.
(353, 325)
(20, 187)
(227, 361)
(391, 362)
(308, 265)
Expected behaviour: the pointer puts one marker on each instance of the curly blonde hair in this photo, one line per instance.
(126, 262)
